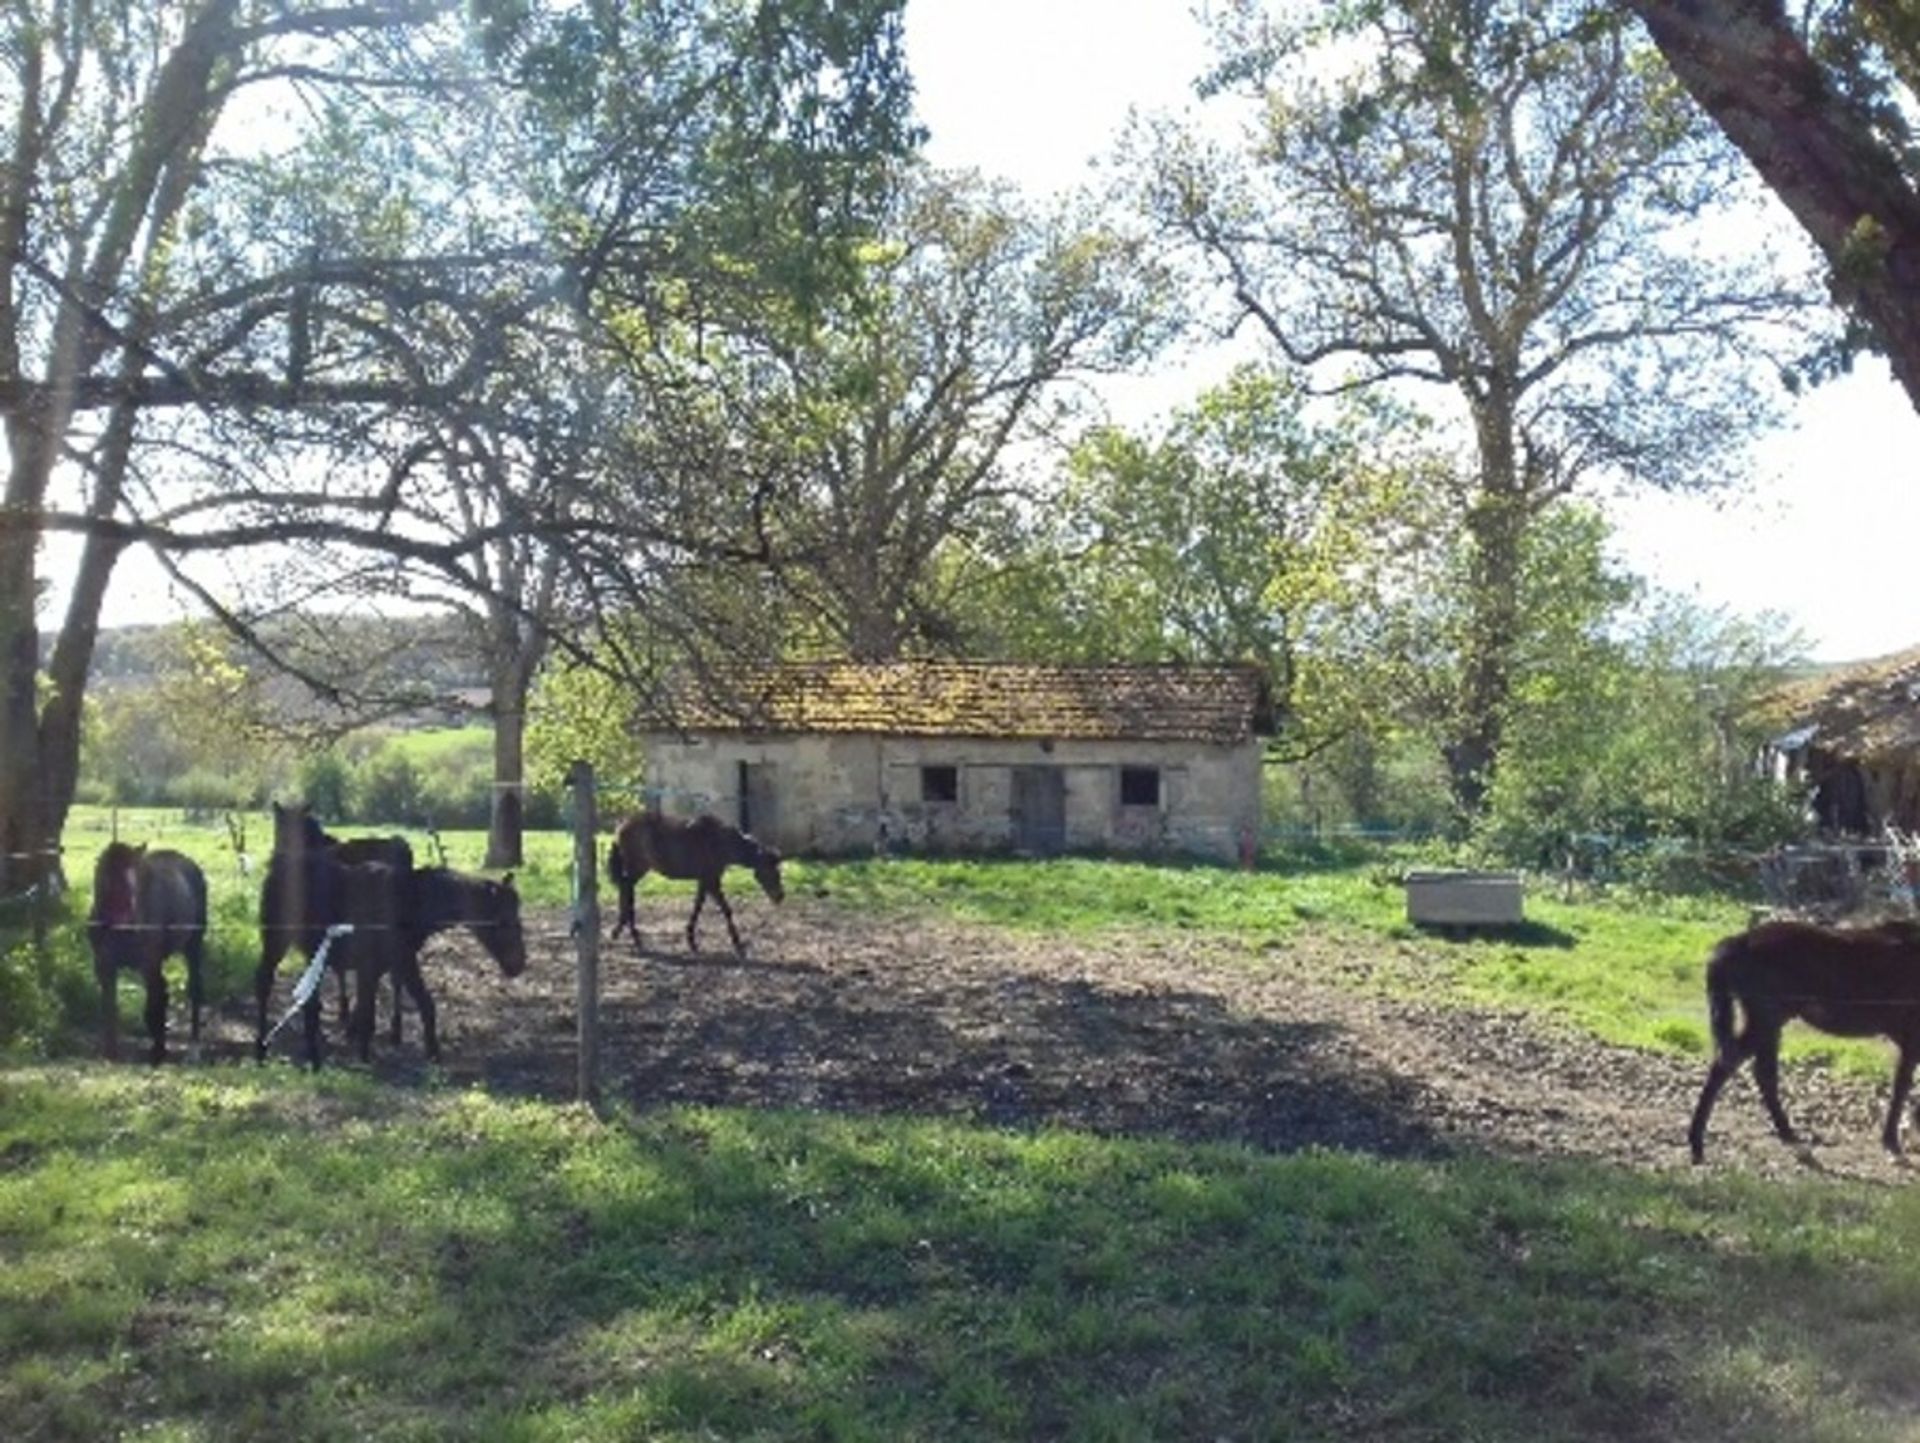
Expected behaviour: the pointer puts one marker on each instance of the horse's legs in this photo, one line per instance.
(699, 901)
(416, 985)
(739, 947)
(366, 998)
(1902, 1087)
(108, 976)
(626, 919)
(195, 953)
(1717, 1076)
(156, 978)
(346, 1014)
(310, 1023)
(1765, 1046)
(394, 1031)
(273, 946)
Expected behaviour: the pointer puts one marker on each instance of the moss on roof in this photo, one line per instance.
(1869, 709)
(1171, 702)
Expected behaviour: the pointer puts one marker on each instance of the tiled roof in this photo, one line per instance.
(1865, 710)
(1171, 702)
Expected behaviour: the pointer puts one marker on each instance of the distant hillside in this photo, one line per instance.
(430, 660)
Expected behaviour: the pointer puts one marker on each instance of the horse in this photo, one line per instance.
(147, 906)
(700, 850)
(438, 898)
(296, 898)
(1850, 981)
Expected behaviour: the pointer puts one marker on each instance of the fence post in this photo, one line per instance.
(586, 930)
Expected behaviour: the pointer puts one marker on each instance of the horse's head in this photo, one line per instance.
(766, 871)
(497, 925)
(116, 884)
(296, 829)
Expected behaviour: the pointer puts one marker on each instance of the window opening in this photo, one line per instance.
(939, 784)
(1139, 786)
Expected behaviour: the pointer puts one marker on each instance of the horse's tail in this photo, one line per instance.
(616, 864)
(1720, 1001)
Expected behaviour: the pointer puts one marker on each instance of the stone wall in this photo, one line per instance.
(830, 794)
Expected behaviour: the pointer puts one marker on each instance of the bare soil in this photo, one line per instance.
(1318, 1044)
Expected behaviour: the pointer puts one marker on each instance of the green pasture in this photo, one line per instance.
(237, 1253)
(1625, 967)
(240, 1253)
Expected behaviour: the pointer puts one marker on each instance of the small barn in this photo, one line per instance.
(943, 756)
(1853, 735)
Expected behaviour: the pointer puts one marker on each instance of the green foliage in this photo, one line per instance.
(388, 789)
(580, 713)
(1251, 527)
(43, 988)
(1630, 722)
(325, 783)
(1389, 782)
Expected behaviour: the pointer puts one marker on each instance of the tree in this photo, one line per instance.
(911, 402)
(1633, 714)
(1820, 106)
(1244, 529)
(1497, 202)
(200, 336)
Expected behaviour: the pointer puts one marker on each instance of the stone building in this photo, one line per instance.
(837, 757)
(1852, 735)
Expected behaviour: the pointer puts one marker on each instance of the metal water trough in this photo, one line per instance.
(1464, 899)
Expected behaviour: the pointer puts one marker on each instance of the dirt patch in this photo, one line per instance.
(1144, 1035)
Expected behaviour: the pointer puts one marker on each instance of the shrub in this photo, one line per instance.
(42, 988)
(389, 790)
(204, 790)
(324, 783)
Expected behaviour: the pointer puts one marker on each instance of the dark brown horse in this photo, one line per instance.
(698, 850)
(297, 901)
(436, 899)
(147, 906)
(1849, 981)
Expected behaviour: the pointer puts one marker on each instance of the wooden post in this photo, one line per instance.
(586, 928)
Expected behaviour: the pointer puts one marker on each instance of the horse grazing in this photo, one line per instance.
(1850, 981)
(438, 898)
(298, 902)
(699, 850)
(147, 906)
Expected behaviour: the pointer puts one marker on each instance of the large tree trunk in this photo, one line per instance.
(28, 845)
(1496, 526)
(1747, 67)
(72, 659)
(504, 826)
(516, 649)
(25, 844)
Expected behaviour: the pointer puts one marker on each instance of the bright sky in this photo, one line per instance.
(1824, 533)
(1037, 91)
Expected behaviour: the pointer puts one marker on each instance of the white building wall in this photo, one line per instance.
(838, 794)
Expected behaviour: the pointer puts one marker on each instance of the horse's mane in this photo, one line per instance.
(116, 854)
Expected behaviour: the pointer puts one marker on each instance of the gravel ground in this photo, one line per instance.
(1146, 1035)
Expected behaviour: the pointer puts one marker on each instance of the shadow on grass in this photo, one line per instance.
(1517, 934)
(996, 1045)
(469, 1268)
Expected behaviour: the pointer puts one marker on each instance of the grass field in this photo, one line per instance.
(239, 1253)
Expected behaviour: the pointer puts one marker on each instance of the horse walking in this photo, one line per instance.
(697, 850)
(1851, 982)
(147, 906)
